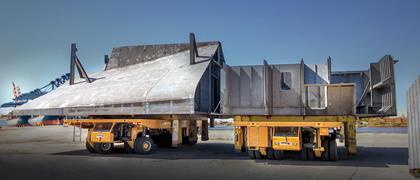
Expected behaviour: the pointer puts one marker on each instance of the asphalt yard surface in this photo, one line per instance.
(49, 153)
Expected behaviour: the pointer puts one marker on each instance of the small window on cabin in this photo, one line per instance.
(286, 81)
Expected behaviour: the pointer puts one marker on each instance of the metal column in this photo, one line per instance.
(350, 136)
(413, 114)
(175, 133)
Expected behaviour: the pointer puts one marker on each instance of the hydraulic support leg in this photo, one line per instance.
(204, 130)
(175, 132)
(350, 136)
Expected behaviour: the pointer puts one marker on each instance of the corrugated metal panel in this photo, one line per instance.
(413, 108)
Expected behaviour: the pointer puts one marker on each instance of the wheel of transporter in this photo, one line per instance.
(166, 141)
(270, 153)
(333, 153)
(251, 154)
(258, 155)
(192, 140)
(89, 148)
(127, 148)
(325, 156)
(143, 145)
(278, 154)
(103, 148)
(303, 154)
(311, 154)
(307, 154)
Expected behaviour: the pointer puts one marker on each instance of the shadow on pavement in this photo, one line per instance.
(366, 157)
(198, 151)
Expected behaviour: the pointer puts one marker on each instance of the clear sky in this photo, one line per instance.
(35, 36)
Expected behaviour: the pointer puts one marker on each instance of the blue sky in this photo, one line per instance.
(35, 36)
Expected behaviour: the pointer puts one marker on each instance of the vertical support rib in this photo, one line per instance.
(302, 88)
(72, 57)
(268, 88)
(75, 61)
(219, 56)
(106, 61)
(81, 70)
(329, 69)
(193, 49)
(210, 90)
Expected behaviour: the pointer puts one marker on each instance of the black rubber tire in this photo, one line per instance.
(333, 153)
(325, 156)
(103, 148)
(303, 154)
(192, 141)
(163, 140)
(251, 154)
(89, 148)
(127, 148)
(307, 154)
(311, 155)
(166, 140)
(185, 140)
(258, 155)
(270, 153)
(143, 145)
(278, 154)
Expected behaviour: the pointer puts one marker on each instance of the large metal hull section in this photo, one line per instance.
(310, 89)
(286, 89)
(140, 80)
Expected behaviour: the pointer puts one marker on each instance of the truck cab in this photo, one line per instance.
(102, 136)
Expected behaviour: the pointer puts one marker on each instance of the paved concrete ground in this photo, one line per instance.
(49, 153)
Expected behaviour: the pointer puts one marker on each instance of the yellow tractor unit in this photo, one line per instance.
(139, 135)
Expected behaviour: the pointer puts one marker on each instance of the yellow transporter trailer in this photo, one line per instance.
(139, 135)
(313, 136)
